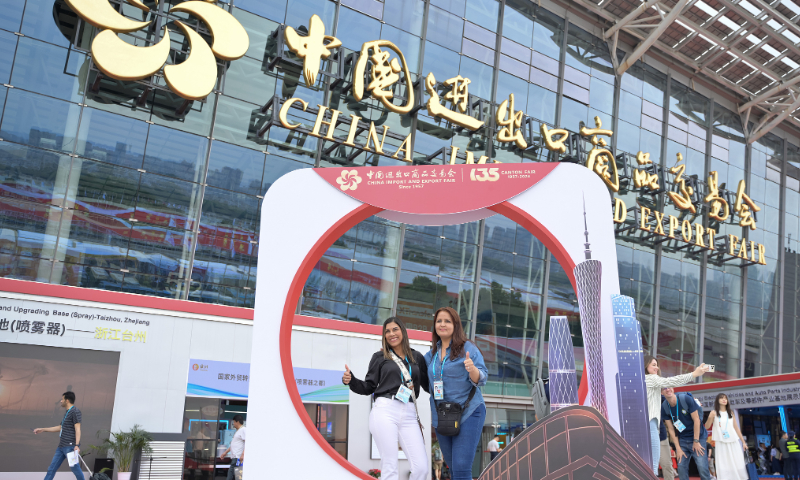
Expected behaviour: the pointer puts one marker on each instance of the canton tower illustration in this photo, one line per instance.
(631, 394)
(561, 359)
(587, 276)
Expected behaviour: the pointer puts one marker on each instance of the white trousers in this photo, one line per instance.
(392, 421)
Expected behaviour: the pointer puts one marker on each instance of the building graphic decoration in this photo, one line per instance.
(192, 79)
(561, 361)
(573, 443)
(587, 276)
(631, 393)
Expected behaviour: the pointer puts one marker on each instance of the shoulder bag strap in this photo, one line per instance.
(469, 399)
(407, 376)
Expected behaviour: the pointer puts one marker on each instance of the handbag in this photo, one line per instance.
(449, 415)
(752, 472)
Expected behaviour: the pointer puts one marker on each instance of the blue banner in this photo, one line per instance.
(208, 378)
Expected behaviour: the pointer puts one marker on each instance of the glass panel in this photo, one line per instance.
(40, 121)
(167, 202)
(8, 45)
(297, 13)
(235, 168)
(50, 70)
(29, 173)
(356, 29)
(445, 29)
(174, 153)
(38, 21)
(239, 122)
(106, 189)
(11, 16)
(273, 9)
(405, 14)
(111, 138)
(485, 13)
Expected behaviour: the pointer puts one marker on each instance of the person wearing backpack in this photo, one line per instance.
(394, 377)
(726, 435)
(438, 460)
(455, 371)
(682, 416)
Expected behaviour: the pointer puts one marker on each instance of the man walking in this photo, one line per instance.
(70, 437)
(237, 444)
(493, 447)
(682, 416)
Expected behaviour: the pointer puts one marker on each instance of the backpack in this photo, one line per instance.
(437, 455)
(684, 397)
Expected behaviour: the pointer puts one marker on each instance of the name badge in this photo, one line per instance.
(438, 390)
(403, 394)
(726, 435)
(679, 426)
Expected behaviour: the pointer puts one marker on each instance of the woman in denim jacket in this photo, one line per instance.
(458, 365)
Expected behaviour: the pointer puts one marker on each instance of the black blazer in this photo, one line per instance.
(384, 376)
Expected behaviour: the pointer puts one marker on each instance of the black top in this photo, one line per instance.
(384, 376)
(71, 417)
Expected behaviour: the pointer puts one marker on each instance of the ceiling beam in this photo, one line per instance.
(631, 16)
(651, 38)
(760, 132)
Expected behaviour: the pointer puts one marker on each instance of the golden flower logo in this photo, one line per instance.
(195, 77)
(349, 180)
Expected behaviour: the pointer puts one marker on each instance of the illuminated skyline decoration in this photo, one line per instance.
(561, 365)
(588, 275)
(631, 391)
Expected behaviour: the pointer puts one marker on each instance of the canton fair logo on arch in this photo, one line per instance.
(192, 79)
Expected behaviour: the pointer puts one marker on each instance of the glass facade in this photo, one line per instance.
(126, 186)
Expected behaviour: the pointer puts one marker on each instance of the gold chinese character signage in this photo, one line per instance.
(311, 48)
(192, 79)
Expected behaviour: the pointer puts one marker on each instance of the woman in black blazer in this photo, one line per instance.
(394, 377)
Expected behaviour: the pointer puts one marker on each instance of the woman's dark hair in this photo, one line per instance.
(459, 337)
(648, 359)
(404, 344)
(727, 408)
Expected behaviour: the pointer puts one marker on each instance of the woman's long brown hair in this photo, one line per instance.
(404, 344)
(648, 359)
(459, 337)
(728, 408)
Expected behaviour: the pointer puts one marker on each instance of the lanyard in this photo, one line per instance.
(64, 419)
(410, 372)
(434, 363)
(725, 428)
(676, 411)
(65, 415)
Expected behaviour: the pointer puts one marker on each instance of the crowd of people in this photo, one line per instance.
(452, 372)
(676, 423)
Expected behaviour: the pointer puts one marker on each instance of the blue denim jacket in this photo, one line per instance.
(455, 378)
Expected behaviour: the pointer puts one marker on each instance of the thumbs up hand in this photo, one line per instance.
(468, 364)
(347, 376)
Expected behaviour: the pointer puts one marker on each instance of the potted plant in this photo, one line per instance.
(123, 446)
